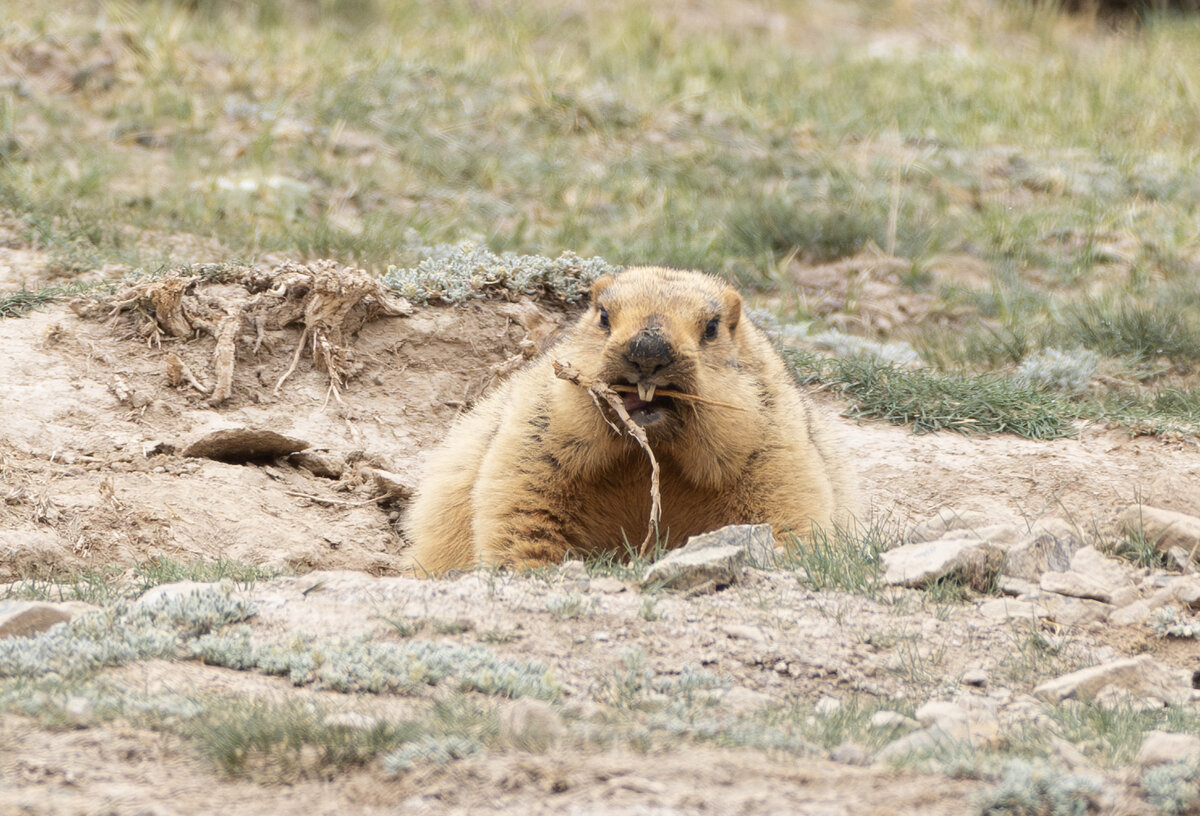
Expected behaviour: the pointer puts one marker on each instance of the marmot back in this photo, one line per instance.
(536, 472)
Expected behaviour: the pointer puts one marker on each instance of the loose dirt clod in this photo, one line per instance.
(602, 391)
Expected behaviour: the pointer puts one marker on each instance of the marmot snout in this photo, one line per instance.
(536, 471)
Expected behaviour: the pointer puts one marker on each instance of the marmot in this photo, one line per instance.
(535, 472)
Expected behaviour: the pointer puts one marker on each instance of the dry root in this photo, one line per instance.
(331, 301)
(603, 391)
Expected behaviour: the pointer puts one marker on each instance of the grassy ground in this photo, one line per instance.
(1032, 172)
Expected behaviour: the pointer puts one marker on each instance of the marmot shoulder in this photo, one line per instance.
(536, 472)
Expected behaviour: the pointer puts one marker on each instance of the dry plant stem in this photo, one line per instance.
(223, 357)
(666, 392)
(602, 391)
(178, 373)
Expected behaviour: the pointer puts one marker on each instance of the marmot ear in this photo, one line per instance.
(731, 303)
(600, 285)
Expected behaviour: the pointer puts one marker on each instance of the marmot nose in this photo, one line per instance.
(649, 351)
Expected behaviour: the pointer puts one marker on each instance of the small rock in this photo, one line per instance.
(1167, 528)
(573, 570)
(826, 706)
(243, 445)
(702, 561)
(322, 464)
(1068, 611)
(1134, 614)
(24, 618)
(1049, 548)
(851, 753)
(1017, 587)
(952, 719)
(1092, 575)
(975, 677)
(531, 725)
(741, 631)
(1186, 590)
(918, 565)
(918, 742)
(1161, 747)
(756, 539)
(1141, 676)
(892, 721)
(741, 700)
(387, 483)
(79, 712)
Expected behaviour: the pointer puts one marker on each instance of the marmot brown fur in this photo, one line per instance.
(535, 472)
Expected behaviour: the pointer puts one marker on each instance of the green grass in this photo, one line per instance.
(934, 401)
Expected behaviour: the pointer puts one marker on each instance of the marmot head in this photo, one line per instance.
(664, 329)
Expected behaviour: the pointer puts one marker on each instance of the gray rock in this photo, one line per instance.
(24, 618)
(1167, 528)
(1092, 575)
(387, 483)
(918, 565)
(742, 631)
(1141, 676)
(712, 559)
(1134, 614)
(851, 753)
(1070, 611)
(243, 445)
(756, 539)
(892, 721)
(322, 464)
(974, 677)
(1161, 747)
(1048, 548)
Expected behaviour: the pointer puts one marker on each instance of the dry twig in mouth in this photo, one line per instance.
(667, 392)
(602, 391)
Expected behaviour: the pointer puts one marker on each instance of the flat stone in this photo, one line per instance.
(1047, 549)
(719, 566)
(742, 631)
(757, 540)
(1141, 676)
(1167, 528)
(1134, 614)
(25, 618)
(1092, 575)
(974, 677)
(1070, 611)
(1162, 747)
(705, 560)
(243, 445)
(918, 565)
(387, 483)
(322, 464)
(351, 721)
(892, 721)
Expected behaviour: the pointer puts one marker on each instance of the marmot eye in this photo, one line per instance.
(710, 331)
(603, 318)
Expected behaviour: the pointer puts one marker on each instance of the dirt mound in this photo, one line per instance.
(108, 448)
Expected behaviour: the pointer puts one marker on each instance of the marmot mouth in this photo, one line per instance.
(643, 405)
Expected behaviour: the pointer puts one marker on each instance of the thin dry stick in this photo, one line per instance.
(224, 356)
(666, 392)
(602, 391)
(179, 373)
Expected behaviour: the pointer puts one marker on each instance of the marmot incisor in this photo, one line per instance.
(534, 472)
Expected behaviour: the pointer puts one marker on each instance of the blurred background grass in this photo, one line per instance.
(984, 181)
